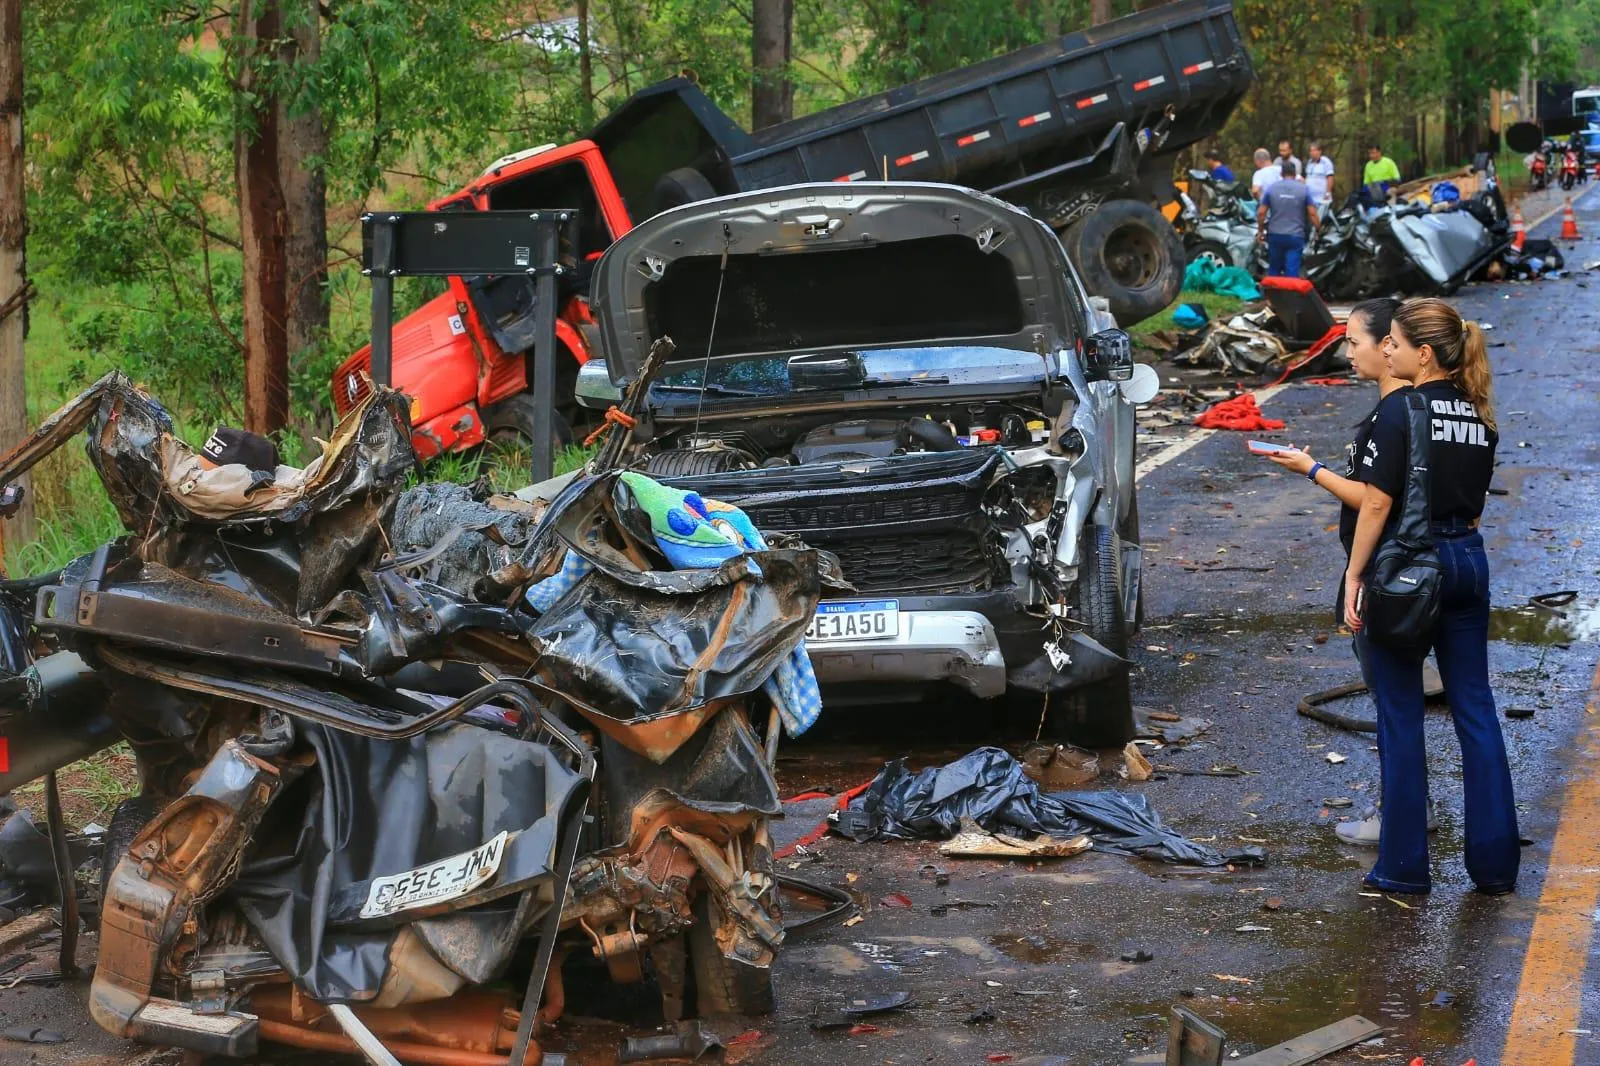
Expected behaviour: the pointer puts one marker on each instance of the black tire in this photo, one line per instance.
(721, 985)
(1129, 253)
(1213, 250)
(127, 822)
(675, 188)
(1098, 715)
(511, 422)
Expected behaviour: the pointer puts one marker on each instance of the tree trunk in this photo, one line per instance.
(1356, 101)
(585, 67)
(302, 147)
(771, 91)
(262, 225)
(13, 258)
(1099, 11)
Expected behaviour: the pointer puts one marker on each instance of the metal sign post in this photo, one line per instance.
(473, 243)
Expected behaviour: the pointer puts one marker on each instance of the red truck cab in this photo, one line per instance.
(462, 357)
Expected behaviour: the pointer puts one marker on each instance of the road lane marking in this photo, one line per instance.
(1549, 1003)
(1194, 436)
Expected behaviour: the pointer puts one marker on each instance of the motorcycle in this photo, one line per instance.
(1225, 234)
(1569, 169)
(396, 745)
(1539, 168)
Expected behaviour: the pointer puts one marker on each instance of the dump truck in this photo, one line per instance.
(1079, 130)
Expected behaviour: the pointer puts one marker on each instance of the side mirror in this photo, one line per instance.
(1108, 356)
(594, 388)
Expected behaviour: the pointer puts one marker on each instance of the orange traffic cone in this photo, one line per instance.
(1519, 228)
(1569, 222)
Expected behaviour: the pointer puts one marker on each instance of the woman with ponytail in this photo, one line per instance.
(1446, 360)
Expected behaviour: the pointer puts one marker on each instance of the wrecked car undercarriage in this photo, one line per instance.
(403, 752)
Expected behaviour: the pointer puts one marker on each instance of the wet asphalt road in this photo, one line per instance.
(1240, 578)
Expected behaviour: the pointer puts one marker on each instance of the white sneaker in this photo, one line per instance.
(1365, 833)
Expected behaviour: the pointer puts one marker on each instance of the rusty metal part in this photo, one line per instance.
(749, 933)
(690, 1040)
(655, 738)
(182, 859)
(524, 1051)
(419, 1054)
(66, 883)
(371, 1047)
(555, 991)
(670, 959)
(67, 422)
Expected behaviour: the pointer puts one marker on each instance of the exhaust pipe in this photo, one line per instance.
(57, 716)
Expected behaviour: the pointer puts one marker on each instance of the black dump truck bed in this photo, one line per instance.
(1013, 125)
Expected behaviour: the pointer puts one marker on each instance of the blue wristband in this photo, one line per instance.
(1311, 475)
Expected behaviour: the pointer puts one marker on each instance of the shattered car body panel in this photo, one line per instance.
(897, 374)
(364, 747)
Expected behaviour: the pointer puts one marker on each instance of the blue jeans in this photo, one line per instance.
(1283, 255)
(1461, 643)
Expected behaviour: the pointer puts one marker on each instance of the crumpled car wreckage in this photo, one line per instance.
(402, 752)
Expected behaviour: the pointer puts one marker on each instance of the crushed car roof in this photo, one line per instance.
(823, 266)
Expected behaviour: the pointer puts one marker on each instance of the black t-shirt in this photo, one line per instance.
(1460, 452)
(1352, 470)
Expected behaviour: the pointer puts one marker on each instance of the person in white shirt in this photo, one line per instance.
(1319, 175)
(1266, 173)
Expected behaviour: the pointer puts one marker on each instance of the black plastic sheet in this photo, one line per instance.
(371, 808)
(989, 787)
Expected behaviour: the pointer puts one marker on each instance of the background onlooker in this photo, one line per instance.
(1319, 174)
(1286, 216)
(1286, 155)
(1266, 173)
(1380, 169)
(1219, 169)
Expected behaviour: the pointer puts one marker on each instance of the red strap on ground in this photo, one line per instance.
(1330, 381)
(1239, 413)
(818, 831)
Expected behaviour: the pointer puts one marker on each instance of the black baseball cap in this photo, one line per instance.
(230, 445)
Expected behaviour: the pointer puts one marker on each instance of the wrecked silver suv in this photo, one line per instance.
(911, 377)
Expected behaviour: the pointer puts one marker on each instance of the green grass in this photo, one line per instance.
(1217, 307)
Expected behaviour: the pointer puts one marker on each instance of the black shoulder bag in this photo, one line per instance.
(1407, 580)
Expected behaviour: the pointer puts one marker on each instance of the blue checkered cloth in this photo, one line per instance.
(792, 688)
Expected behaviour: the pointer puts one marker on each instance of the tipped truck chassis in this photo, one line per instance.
(1079, 130)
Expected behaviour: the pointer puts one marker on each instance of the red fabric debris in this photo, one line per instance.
(1330, 381)
(820, 830)
(1239, 413)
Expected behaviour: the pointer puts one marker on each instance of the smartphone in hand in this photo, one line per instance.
(1263, 447)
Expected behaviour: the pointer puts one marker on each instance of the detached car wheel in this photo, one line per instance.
(1129, 253)
(1097, 715)
(721, 985)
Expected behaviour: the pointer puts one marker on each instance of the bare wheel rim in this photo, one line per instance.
(1133, 256)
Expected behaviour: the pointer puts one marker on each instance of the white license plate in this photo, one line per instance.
(854, 620)
(437, 882)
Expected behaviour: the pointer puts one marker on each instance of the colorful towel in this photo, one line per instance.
(696, 533)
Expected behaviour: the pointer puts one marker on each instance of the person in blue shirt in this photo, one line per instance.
(1219, 169)
(1287, 216)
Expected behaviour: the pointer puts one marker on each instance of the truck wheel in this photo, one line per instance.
(1129, 253)
(721, 985)
(1098, 715)
(510, 423)
(1213, 252)
(686, 185)
(127, 822)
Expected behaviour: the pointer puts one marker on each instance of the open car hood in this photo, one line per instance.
(820, 267)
